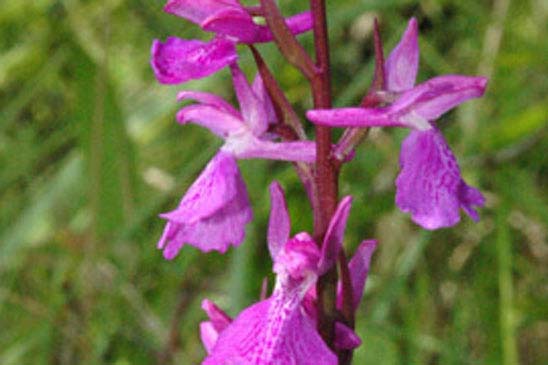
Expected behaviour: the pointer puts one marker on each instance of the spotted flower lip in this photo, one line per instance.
(429, 185)
(213, 213)
(230, 19)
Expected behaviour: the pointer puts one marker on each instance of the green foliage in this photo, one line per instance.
(90, 154)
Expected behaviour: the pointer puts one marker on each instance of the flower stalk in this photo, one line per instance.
(327, 173)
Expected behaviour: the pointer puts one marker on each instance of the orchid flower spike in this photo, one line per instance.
(429, 185)
(213, 213)
(278, 330)
(230, 19)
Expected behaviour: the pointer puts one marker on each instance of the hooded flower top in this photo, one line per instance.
(280, 330)
(429, 185)
(213, 213)
(179, 60)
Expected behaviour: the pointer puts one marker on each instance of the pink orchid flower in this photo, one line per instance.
(280, 330)
(429, 185)
(213, 213)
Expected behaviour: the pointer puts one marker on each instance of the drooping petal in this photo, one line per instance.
(402, 65)
(334, 236)
(251, 106)
(429, 185)
(198, 11)
(213, 213)
(359, 268)
(218, 121)
(470, 197)
(208, 99)
(245, 146)
(179, 60)
(279, 224)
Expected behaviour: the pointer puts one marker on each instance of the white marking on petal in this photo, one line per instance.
(415, 121)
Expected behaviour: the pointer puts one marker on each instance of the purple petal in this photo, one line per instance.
(403, 63)
(251, 106)
(260, 90)
(198, 10)
(298, 258)
(359, 268)
(415, 108)
(213, 213)
(208, 335)
(218, 121)
(229, 18)
(353, 117)
(297, 24)
(274, 331)
(218, 322)
(470, 197)
(431, 99)
(333, 239)
(247, 146)
(279, 224)
(429, 185)
(234, 23)
(300, 23)
(179, 60)
(345, 337)
(219, 319)
(208, 99)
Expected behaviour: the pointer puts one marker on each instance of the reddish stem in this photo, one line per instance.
(326, 177)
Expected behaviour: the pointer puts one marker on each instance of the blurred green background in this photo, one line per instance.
(90, 154)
